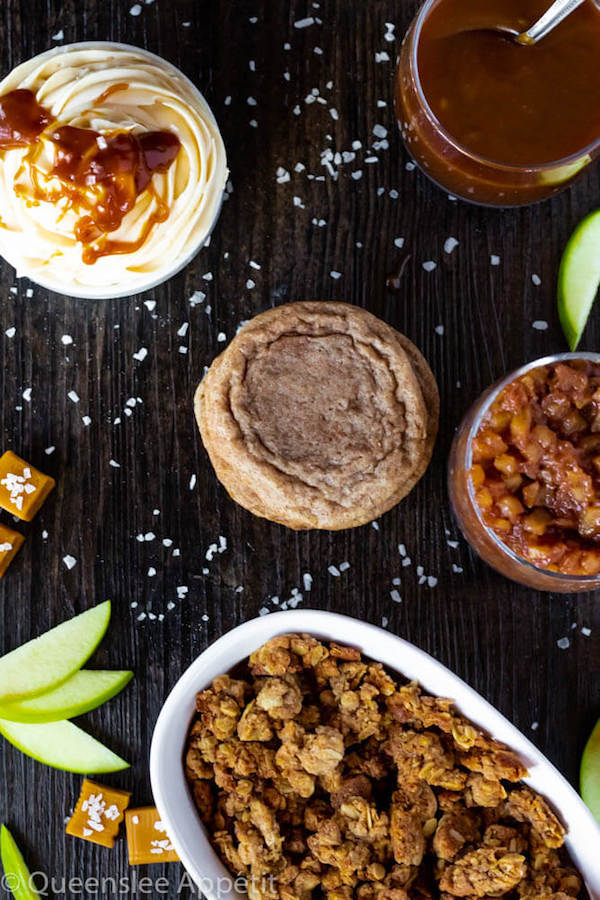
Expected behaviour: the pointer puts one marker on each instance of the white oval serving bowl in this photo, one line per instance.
(174, 800)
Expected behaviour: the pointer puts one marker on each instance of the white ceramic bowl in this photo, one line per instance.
(169, 785)
(182, 259)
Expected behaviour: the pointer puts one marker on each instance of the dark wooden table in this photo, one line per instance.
(472, 320)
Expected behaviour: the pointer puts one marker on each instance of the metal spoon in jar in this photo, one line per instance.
(559, 10)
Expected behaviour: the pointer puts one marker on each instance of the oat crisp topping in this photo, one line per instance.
(317, 774)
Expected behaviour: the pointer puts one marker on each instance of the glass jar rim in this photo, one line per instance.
(488, 398)
(574, 158)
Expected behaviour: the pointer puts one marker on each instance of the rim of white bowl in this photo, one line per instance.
(179, 264)
(172, 795)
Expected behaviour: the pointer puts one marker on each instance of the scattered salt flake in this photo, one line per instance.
(357, 175)
(151, 572)
(150, 305)
(66, 340)
(450, 245)
(539, 325)
(380, 131)
(197, 298)
(263, 611)
(536, 280)
(114, 464)
(335, 275)
(49, 451)
(73, 396)
(439, 329)
(375, 525)
(402, 549)
(407, 561)
(382, 56)
(86, 420)
(141, 354)
(149, 536)
(333, 570)
(410, 167)
(10, 332)
(395, 595)
(563, 643)
(535, 726)
(208, 276)
(141, 617)
(27, 395)
(253, 123)
(586, 631)
(457, 569)
(221, 337)
(334, 114)
(453, 544)
(176, 552)
(59, 36)
(344, 566)
(396, 582)
(431, 581)
(182, 590)
(183, 329)
(170, 605)
(494, 260)
(69, 561)
(44, 535)
(135, 10)
(250, 284)
(251, 101)
(384, 621)
(29, 293)
(167, 542)
(429, 265)
(304, 23)
(307, 581)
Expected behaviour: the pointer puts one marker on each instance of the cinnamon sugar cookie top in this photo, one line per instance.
(318, 415)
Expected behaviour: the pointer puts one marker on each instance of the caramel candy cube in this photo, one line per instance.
(23, 489)
(10, 544)
(98, 813)
(147, 838)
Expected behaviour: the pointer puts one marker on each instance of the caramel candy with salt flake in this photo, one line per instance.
(23, 489)
(147, 838)
(10, 544)
(98, 814)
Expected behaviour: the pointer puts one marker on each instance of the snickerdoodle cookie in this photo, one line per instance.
(318, 415)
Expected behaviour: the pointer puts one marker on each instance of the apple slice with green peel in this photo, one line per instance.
(590, 773)
(579, 278)
(62, 745)
(47, 661)
(17, 878)
(85, 690)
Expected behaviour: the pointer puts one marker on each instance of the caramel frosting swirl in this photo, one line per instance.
(111, 88)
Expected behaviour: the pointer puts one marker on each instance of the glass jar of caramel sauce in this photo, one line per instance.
(492, 121)
(524, 474)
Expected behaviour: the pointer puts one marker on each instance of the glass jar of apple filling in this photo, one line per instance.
(524, 474)
(493, 122)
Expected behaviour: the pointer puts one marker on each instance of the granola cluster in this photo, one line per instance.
(316, 773)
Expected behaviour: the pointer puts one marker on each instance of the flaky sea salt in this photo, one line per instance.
(69, 561)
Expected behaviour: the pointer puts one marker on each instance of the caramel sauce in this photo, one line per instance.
(100, 175)
(22, 119)
(516, 105)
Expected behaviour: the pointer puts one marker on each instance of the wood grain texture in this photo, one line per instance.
(498, 636)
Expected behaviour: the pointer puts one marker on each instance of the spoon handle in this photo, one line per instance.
(559, 10)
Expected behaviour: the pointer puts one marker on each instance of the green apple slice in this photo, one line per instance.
(44, 663)
(579, 278)
(63, 746)
(85, 690)
(17, 878)
(590, 773)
